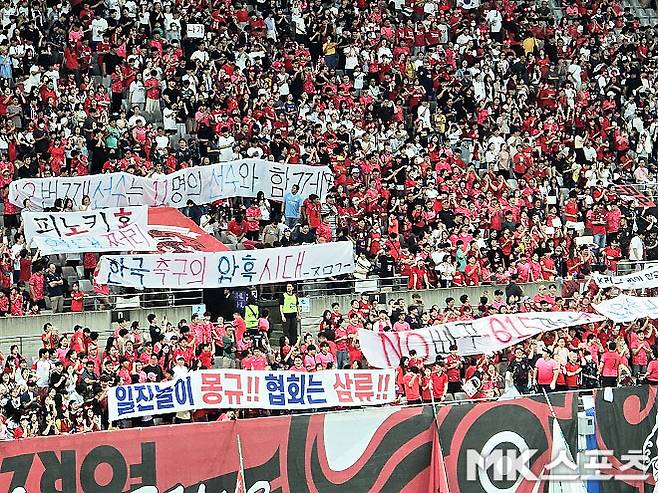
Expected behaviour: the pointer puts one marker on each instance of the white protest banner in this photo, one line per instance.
(196, 30)
(647, 278)
(107, 230)
(468, 4)
(625, 308)
(484, 335)
(201, 184)
(244, 389)
(227, 269)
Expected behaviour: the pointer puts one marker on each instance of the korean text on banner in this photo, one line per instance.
(227, 269)
(201, 184)
(484, 335)
(244, 389)
(647, 278)
(106, 230)
(625, 308)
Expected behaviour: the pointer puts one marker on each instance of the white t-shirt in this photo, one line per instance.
(98, 27)
(495, 21)
(636, 249)
(226, 148)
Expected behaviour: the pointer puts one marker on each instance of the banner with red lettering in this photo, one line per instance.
(245, 389)
(227, 269)
(484, 335)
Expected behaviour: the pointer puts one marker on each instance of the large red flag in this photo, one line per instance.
(438, 477)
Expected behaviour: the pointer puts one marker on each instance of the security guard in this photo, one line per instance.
(289, 308)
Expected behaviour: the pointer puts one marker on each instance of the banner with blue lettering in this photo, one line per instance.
(201, 184)
(227, 269)
(244, 389)
(103, 230)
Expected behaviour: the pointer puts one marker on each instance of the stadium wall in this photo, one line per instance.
(376, 450)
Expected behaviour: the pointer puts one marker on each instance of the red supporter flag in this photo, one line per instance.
(239, 480)
(438, 477)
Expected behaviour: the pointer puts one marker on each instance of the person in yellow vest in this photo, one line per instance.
(251, 314)
(289, 308)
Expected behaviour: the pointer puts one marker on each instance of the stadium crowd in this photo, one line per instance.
(65, 389)
(469, 146)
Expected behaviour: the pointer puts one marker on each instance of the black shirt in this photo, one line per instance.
(155, 332)
(519, 370)
(57, 290)
(155, 370)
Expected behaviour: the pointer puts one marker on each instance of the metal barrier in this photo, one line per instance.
(144, 299)
(353, 286)
(628, 266)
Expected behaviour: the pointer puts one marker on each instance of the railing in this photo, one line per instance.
(140, 299)
(628, 266)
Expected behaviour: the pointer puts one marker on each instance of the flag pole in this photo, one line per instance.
(438, 443)
(240, 486)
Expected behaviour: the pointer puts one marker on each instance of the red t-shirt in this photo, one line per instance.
(641, 358)
(77, 303)
(453, 373)
(240, 328)
(412, 386)
(439, 384)
(611, 361)
(572, 380)
(342, 344)
(36, 282)
(652, 371)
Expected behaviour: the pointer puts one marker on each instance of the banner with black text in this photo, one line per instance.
(201, 184)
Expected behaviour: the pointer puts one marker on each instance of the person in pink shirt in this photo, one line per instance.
(547, 371)
(383, 324)
(342, 357)
(523, 269)
(401, 324)
(324, 357)
(310, 357)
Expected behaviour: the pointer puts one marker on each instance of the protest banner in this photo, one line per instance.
(647, 278)
(244, 389)
(196, 30)
(201, 184)
(625, 308)
(484, 335)
(107, 230)
(227, 269)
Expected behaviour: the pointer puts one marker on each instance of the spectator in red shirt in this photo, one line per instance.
(412, 380)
